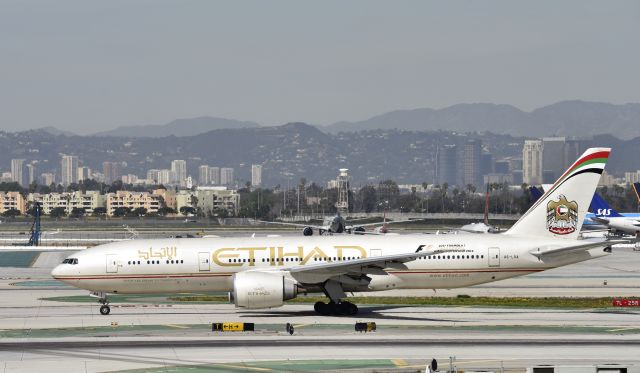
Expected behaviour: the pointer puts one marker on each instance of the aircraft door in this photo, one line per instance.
(203, 262)
(112, 263)
(494, 257)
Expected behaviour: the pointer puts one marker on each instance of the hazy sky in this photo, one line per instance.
(87, 66)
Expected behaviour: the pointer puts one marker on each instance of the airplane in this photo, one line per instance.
(338, 224)
(264, 272)
(483, 226)
(628, 223)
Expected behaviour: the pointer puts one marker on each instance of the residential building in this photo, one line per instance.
(165, 177)
(226, 176)
(132, 200)
(214, 175)
(203, 175)
(209, 200)
(69, 169)
(532, 162)
(179, 169)
(31, 173)
(47, 178)
(112, 171)
(632, 177)
(18, 173)
(88, 201)
(256, 175)
(153, 174)
(12, 201)
(168, 196)
(84, 173)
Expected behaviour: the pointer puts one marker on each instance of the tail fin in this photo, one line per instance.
(636, 188)
(560, 212)
(535, 192)
(601, 209)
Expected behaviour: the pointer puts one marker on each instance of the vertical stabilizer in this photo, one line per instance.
(560, 212)
(601, 209)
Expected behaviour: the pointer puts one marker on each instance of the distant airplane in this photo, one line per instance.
(484, 226)
(338, 224)
(602, 213)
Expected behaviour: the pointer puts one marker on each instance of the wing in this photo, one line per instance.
(386, 222)
(293, 224)
(542, 254)
(376, 265)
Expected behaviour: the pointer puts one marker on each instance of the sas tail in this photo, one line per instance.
(560, 212)
(601, 209)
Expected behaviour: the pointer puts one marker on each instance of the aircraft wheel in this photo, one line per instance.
(352, 309)
(318, 306)
(104, 310)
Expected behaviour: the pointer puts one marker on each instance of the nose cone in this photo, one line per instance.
(57, 271)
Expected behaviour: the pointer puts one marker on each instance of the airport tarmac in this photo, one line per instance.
(43, 327)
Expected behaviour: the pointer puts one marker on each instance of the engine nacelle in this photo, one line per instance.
(307, 231)
(261, 290)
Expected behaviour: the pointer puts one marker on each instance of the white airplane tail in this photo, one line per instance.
(560, 212)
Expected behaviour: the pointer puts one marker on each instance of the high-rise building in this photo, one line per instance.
(112, 171)
(84, 173)
(203, 175)
(31, 172)
(471, 163)
(179, 169)
(69, 170)
(446, 164)
(214, 175)
(226, 176)
(18, 171)
(256, 175)
(153, 175)
(553, 158)
(532, 162)
(165, 177)
(47, 178)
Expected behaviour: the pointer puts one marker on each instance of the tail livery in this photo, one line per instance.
(560, 212)
(636, 188)
(601, 209)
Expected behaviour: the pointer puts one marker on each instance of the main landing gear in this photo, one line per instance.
(333, 290)
(332, 308)
(102, 299)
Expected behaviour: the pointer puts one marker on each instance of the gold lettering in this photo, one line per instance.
(218, 256)
(315, 253)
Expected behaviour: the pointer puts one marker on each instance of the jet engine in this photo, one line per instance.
(307, 231)
(261, 290)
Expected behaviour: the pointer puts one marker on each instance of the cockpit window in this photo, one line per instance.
(70, 261)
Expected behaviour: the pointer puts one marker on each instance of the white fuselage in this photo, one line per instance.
(208, 264)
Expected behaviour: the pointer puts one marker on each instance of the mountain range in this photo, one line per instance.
(566, 118)
(178, 127)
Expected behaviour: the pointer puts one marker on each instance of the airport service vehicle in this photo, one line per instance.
(264, 272)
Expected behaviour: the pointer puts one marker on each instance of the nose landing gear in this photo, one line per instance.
(102, 299)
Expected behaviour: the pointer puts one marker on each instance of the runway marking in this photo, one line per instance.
(399, 362)
(246, 367)
(177, 326)
(301, 325)
(621, 329)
